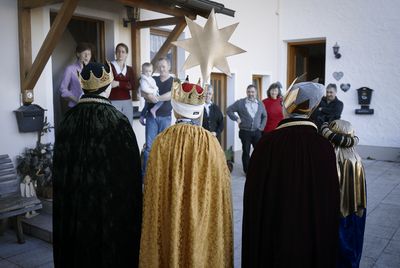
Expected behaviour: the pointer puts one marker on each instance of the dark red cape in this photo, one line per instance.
(291, 201)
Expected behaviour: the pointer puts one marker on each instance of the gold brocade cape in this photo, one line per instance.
(353, 197)
(352, 182)
(187, 211)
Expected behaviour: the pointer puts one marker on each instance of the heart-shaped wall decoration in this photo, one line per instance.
(345, 87)
(337, 75)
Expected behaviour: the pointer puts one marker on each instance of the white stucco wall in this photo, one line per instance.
(368, 33)
(256, 33)
(43, 90)
(11, 141)
(366, 30)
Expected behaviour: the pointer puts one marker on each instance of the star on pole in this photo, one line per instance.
(209, 46)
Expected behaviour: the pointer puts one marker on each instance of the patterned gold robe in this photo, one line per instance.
(353, 193)
(187, 220)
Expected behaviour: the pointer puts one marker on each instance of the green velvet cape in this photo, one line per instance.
(97, 188)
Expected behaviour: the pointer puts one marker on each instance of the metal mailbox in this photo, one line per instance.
(364, 99)
(30, 118)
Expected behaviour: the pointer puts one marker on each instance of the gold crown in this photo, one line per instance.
(94, 83)
(290, 105)
(187, 93)
(289, 102)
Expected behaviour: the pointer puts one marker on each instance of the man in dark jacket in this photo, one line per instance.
(213, 120)
(251, 119)
(329, 109)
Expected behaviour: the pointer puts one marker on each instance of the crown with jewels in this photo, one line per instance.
(187, 93)
(94, 82)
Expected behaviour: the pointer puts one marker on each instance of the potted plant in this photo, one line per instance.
(229, 155)
(37, 163)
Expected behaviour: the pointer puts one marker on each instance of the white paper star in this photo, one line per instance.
(209, 46)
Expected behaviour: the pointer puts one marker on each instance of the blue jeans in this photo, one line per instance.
(154, 126)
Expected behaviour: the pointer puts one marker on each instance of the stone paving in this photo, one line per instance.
(382, 235)
(382, 231)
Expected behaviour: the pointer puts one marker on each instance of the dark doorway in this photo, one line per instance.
(87, 30)
(306, 60)
(79, 29)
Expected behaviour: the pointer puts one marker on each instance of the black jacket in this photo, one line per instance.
(327, 112)
(214, 121)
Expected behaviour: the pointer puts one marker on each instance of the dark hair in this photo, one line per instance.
(272, 86)
(122, 45)
(332, 86)
(83, 46)
(250, 86)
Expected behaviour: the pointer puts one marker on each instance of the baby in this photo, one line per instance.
(148, 85)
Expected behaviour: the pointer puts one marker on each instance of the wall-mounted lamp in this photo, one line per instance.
(133, 14)
(336, 51)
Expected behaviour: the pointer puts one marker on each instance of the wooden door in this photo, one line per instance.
(299, 60)
(218, 81)
(257, 81)
(297, 63)
(81, 29)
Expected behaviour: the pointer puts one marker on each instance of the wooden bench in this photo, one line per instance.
(12, 204)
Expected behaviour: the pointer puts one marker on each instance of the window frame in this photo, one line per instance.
(174, 58)
(257, 81)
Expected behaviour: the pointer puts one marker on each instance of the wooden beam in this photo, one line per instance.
(50, 42)
(25, 42)
(136, 58)
(37, 3)
(158, 22)
(173, 36)
(158, 7)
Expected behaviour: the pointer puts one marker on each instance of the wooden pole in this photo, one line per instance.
(173, 36)
(50, 42)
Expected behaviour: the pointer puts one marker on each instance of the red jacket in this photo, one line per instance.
(122, 92)
(274, 113)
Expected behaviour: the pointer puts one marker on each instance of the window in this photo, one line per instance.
(157, 39)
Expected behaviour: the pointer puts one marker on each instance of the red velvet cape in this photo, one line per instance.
(291, 201)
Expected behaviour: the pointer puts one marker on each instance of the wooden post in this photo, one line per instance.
(173, 36)
(136, 58)
(37, 3)
(18, 229)
(3, 225)
(52, 38)
(25, 42)
(162, 7)
(158, 22)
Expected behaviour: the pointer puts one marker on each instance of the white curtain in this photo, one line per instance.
(156, 41)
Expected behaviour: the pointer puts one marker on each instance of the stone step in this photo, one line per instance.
(47, 205)
(39, 226)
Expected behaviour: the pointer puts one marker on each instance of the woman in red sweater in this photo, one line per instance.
(273, 106)
(122, 85)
